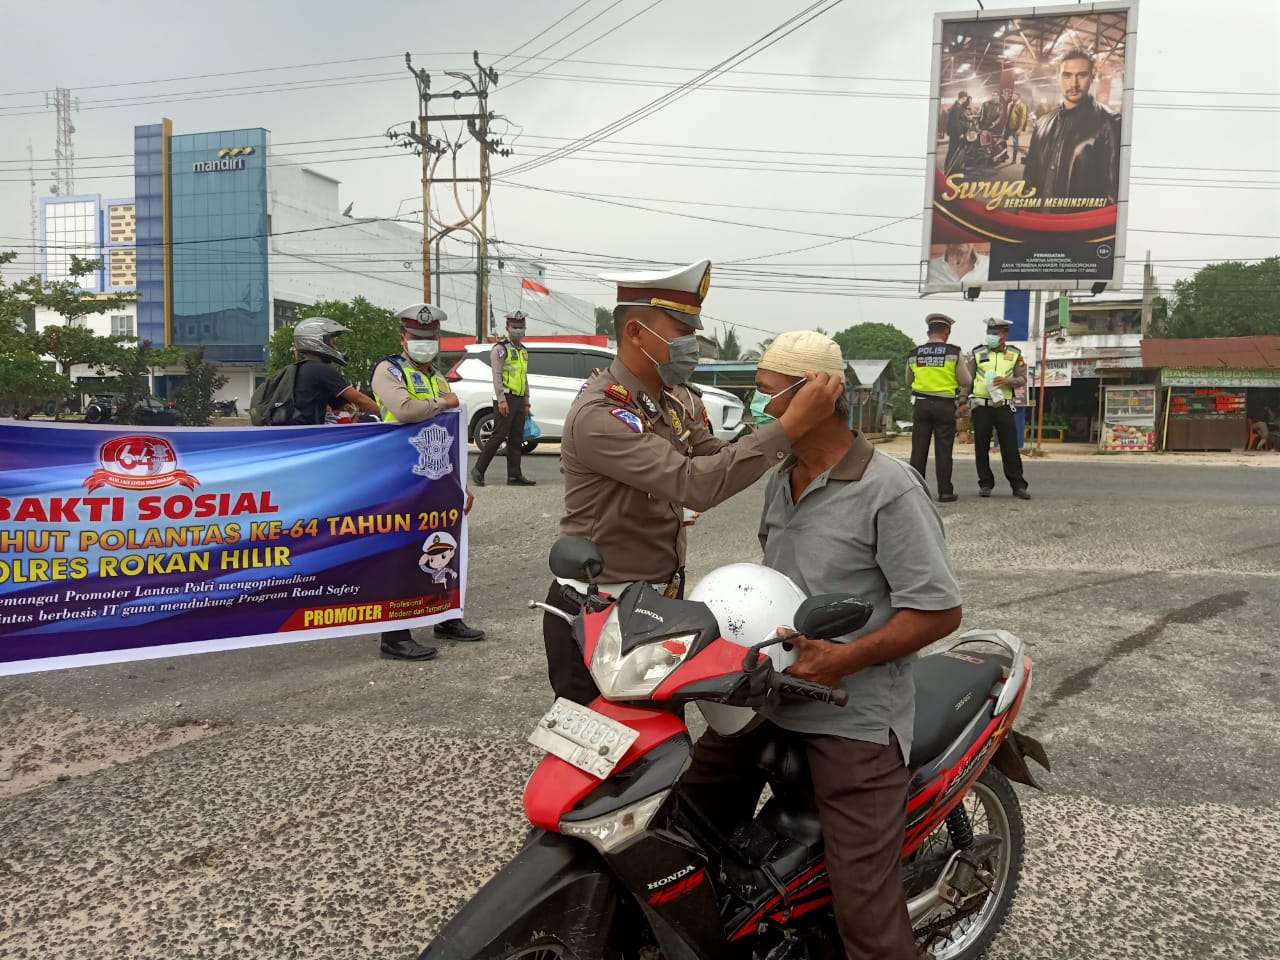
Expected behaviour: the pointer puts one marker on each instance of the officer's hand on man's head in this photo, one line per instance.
(814, 401)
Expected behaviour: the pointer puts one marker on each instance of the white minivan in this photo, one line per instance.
(556, 374)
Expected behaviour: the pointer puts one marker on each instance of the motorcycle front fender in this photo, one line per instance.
(554, 887)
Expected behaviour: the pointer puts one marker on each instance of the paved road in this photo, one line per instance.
(314, 801)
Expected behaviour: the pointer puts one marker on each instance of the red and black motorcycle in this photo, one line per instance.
(620, 866)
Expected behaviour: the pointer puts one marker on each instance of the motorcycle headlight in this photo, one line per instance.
(613, 829)
(638, 673)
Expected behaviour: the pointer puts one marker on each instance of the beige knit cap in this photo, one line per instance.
(796, 352)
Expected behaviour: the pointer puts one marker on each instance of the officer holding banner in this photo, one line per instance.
(510, 363)
(937, 378)
(996, 369)
(409, 389)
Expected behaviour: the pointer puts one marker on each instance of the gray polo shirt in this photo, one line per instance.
(868, 527)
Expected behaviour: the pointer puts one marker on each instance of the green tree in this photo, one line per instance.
(730, 348)
(880, 341)
(132, 365)
(71, 344)
(194, 398)
(26, 381)
(374, 334)
(1228, 299)
(604, 323)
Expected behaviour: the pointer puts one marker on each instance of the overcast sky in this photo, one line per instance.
(865, 66)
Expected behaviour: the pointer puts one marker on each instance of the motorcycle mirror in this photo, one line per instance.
(831, 615)
(576, 558)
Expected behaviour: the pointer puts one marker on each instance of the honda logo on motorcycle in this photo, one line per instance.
(673, 878)
(679, 888)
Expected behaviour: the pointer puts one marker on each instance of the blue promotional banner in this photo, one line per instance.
(124, 543)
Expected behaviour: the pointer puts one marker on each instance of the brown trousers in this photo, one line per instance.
(861, 793)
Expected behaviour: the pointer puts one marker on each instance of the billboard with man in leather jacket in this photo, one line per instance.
(1029, 158)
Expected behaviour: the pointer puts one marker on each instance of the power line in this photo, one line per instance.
(239, 73)
(777, 33)
(592, 42)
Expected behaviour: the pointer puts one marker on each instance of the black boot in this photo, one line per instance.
(457, 630)
(400, 645)
(477, 477)
(521, 481)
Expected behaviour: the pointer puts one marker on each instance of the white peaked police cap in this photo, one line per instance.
(679, 292)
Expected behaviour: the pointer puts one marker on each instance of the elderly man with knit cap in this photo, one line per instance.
(840, 516)
(638, 448)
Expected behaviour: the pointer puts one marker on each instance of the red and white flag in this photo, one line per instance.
(535, 286)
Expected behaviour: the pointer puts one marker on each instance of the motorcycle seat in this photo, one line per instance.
(951, 688)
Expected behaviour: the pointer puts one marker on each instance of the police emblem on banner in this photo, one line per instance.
(434, 445)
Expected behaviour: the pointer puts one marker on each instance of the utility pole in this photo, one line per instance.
(428, 148)
(480, 131)
(1148, 295)
(418, 134)
(65, 151)
(37, 260)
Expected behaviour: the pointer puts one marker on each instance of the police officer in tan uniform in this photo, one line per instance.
(638, 448)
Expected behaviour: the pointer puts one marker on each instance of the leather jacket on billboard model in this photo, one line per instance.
(1076, 153)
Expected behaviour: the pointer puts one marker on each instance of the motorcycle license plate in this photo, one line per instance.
(581, 736)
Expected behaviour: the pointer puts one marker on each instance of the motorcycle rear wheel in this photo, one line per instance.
(993, 809)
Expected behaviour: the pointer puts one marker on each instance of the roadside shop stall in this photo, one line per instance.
(1214, 389)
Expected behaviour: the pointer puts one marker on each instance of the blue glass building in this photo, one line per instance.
(202, 240)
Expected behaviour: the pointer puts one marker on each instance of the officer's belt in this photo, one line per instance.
(986, 402)
(932, 396)
(612, 589)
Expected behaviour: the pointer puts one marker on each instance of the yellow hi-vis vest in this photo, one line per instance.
(421, 386)
(933, 369)
(999, 362)
(515, 370)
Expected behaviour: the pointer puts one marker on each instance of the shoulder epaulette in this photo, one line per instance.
(618, 392)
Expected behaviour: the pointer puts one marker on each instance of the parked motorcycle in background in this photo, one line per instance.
(227, 408)
(619, 865)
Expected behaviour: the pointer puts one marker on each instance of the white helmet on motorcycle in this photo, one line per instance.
(750, 603)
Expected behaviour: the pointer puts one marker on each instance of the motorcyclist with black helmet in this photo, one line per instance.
(318, 383)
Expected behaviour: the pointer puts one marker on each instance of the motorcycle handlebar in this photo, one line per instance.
(792, 687)
(573, 596)
(583, 601)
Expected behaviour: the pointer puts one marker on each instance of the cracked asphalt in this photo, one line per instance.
(311, 800)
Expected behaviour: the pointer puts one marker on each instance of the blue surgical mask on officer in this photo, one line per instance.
(993, 340)
(760, 400)
(684, 357)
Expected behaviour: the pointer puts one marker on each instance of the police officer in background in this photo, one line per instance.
(409, 389)
(510, 363)
(996, 369)
(937, 379)
(638, 448)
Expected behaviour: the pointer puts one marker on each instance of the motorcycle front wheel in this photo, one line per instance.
(544, 948)
(550, 948)
(993, 810)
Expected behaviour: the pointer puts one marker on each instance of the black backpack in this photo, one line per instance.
(272, 402)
